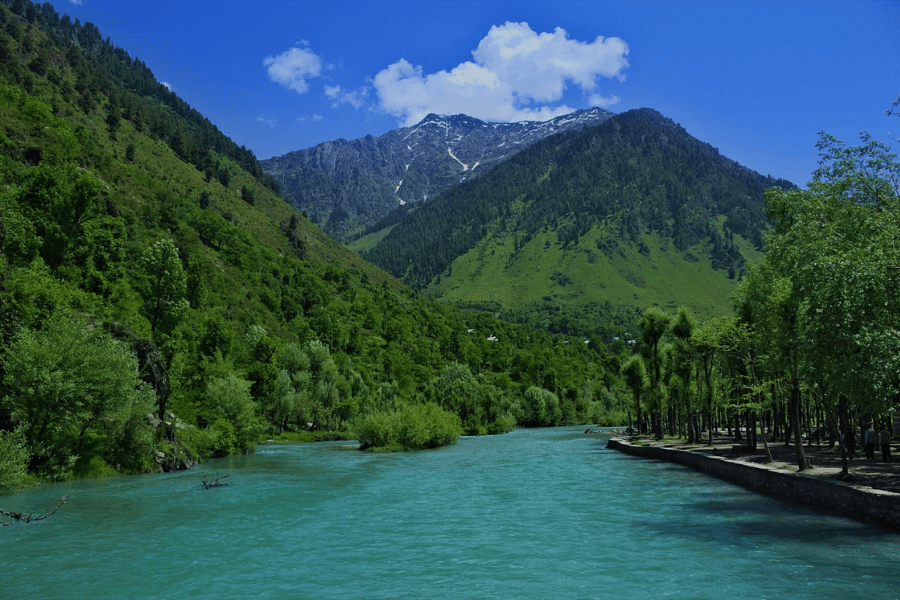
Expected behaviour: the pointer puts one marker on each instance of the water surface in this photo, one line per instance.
(543, 513)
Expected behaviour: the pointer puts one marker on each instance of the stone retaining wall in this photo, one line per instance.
(827, 495)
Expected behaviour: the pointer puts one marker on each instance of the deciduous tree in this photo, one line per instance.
(165, 293)
(67, 380)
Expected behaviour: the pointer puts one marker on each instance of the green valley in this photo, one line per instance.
(200, 313)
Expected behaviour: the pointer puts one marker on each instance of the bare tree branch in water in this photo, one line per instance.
(18, 517)
(215, 482)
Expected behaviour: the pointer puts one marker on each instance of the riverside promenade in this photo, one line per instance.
(870, 493)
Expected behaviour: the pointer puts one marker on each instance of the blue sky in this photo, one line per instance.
(757, 80)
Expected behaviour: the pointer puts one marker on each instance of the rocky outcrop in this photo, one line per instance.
(348, 185)
(173, 454)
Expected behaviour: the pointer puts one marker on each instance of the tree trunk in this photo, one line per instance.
(762, 432)
(795, 418)
(844, 425)
(775, 419)
(750, 420)
(637, 405)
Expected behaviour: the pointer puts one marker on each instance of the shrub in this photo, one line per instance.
(232, 411)
(14, 457)
(414, 427)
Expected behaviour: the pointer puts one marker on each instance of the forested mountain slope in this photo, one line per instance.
(633, 211)
(148, 266)
(347, 186)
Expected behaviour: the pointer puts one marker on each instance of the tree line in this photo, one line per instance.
(813, 344)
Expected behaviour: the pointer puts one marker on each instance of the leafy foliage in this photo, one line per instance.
(166, 288)
(67, 380)
(14, 459)
(815, 338)
(835, 246)
(414, 427)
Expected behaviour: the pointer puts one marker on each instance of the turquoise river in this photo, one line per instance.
(548, 513)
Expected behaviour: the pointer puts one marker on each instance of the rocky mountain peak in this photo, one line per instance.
(346, 186)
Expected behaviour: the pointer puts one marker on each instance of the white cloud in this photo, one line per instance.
(292, 68)
(517, 74)
(602, 101)
(339, 96)
(77, 2)
(166, 85)
(270, 121)
(315, 118)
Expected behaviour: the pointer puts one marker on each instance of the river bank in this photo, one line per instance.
(871, 493)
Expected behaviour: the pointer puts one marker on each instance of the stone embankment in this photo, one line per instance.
(823, 493)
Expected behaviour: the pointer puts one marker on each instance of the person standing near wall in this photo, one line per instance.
(884, 438)
(850, 443)
(870, 439)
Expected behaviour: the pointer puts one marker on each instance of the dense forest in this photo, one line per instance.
(160, 303)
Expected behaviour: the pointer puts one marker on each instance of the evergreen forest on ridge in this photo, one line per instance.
(633, 211)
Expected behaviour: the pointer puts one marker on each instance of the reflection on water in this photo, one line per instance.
(534, 513)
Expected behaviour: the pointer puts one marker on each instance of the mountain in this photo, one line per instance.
(634, 211)
(347, 186)
(160, 302)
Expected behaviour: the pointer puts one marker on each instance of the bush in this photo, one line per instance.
(93, 466)
(202, 443)
(414, 427)
(502, 425)
(612, 418)
(539, 408)
(377, 430)
(235, 424)
(14, 457)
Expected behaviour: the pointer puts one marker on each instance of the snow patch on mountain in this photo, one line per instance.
(360, 177)
(453, 156)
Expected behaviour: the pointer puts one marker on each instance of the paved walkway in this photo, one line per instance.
(825, 462)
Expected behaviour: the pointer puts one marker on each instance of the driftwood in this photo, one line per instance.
(18, 517)
(215, 482)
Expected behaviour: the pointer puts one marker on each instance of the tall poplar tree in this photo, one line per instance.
(836, 243)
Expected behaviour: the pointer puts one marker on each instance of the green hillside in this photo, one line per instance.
(634, 212)
(367, 242)
(159, 302)
(546, 273)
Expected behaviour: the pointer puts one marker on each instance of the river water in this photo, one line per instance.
(545, 513)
